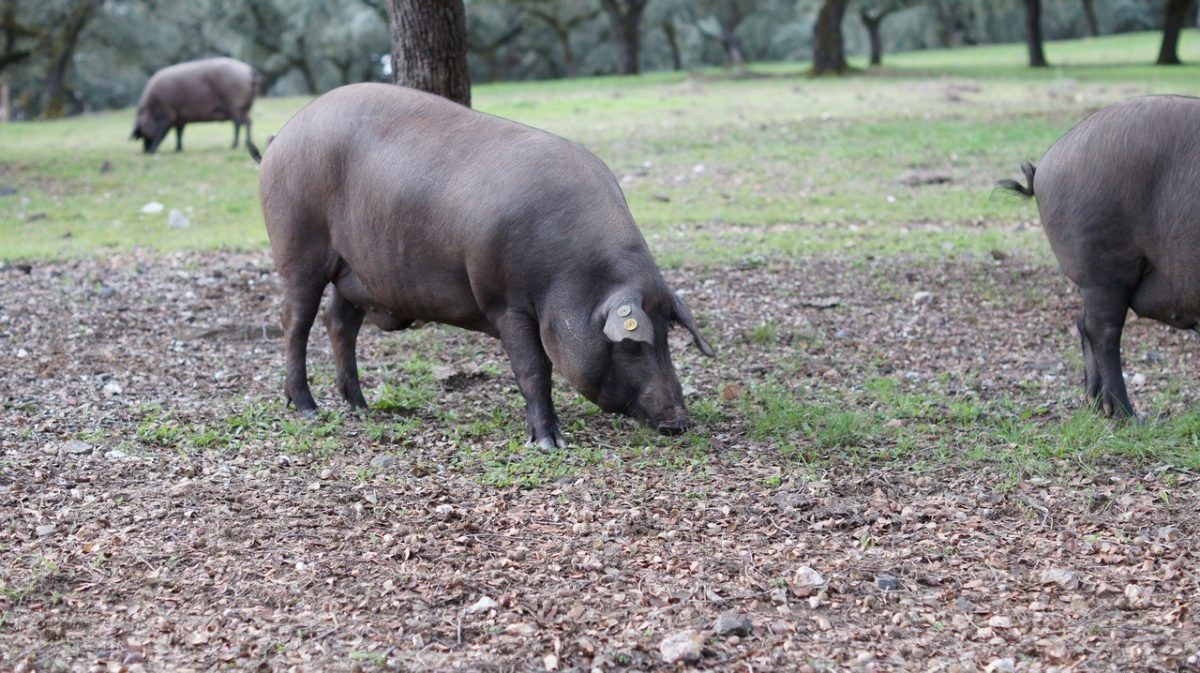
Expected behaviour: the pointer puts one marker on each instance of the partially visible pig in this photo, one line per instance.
(416, 208)
(211, 89)
(1119, 197)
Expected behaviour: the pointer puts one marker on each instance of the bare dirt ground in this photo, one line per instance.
(130, 543)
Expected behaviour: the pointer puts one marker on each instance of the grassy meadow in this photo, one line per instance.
(721, 170)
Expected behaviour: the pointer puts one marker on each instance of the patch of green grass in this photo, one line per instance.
(716, 169)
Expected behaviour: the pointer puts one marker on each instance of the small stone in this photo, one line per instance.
(1063, 577)
(684, 646)
(732, 623)
(112, 389)
(922, 298)
(581, 528)
(831, 374)
(76, 447)
(517, 554)
(444, 512)
(106, 292)
(7, 190)
(1000, 622)
(550, 662)
(45, 530)
(482, 605)
(807, 577)
(885, 582)
(661, 197)
(177, 220)
(1138, 379)
(106, 167)
(152, 208)
(894, 424)
(521, 629)
(1001, 666)
(383, 461)
(999, 255)
(115, 455)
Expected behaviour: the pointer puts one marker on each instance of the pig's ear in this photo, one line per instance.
(683, 316)
(627, 320)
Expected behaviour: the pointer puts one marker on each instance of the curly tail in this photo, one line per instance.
(1016, 187)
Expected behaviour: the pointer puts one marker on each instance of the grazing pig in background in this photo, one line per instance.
(416, 208)
(208, 90)
(1119, 197)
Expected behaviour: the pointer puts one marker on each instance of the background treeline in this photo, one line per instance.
(66, 56)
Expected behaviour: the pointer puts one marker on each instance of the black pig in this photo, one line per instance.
(416, 208)
(211, 89)
(1119, 197)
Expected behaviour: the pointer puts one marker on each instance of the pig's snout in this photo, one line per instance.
(676, 425)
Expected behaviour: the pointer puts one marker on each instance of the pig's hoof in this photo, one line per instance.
(548, 443)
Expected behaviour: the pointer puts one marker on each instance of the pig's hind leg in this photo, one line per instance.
(520, 335)
(1100, 326)
(344, 320)
(301, 300)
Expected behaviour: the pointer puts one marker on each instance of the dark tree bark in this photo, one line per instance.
(626, 18)
(13, 32)
(1089, 16)
(872, 22)
(61, 50)
(729, 16)
(429, 47)
(829, 51)
(1177, 12)
(1033, 33)
(668, 28)
(562, 27)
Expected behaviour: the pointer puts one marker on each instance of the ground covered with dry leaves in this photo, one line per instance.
(162, 510)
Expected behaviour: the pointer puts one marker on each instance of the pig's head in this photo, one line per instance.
(153, 122)
(619, 359)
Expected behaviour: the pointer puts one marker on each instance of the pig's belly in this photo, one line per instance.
(396, 302)
(1173, 301)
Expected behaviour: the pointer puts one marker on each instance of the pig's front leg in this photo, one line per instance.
(531, 366)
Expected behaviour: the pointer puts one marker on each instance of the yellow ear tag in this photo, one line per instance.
(624, 310)
(630, 325)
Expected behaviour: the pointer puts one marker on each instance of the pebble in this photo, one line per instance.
(383, 460)
(807, 577)
(45, 530)
(732, 623)
(684, 646)
(1138, 379)
(112, 389)
(921, 298)
(1001, 666)
(153, 207)
(115, 455)
(1000, 622)
(444, 511)
(76, 447)
(177, 220)
(1063, 577)
(885, 582)
(482, 605)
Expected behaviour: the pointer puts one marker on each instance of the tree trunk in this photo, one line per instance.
(429, 47)
(872, 22)
(1177, 11)
(626, 18)
(1089, 15)
(829, 51)
(1033, 33)
(668, 28)
(62, 53)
